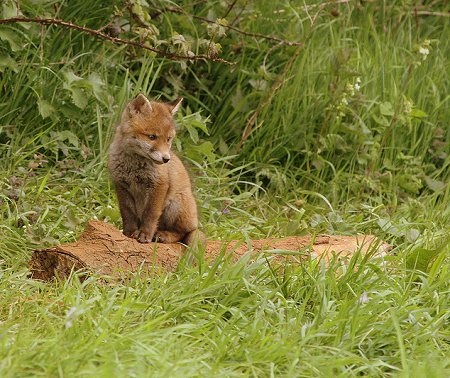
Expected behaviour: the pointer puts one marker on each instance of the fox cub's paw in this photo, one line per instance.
(141, 236)
(166, 237)
(129, 233)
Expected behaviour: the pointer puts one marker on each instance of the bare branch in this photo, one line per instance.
(120, 41)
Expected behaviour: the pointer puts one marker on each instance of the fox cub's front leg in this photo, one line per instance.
(151, 214)
(127, 211)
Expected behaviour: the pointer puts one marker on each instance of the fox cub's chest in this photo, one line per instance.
(135, 174)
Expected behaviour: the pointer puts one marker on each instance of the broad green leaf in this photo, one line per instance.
(7, 62)
(192, 132)
(200, 125)
(386, 109)
(79, 97)
(421, 258)
(69, 110)
(223, 147)
(206, 149)
(380, 120)
(9, 9)
(71, 77)
(75, 85)
(67, 135)
(12, 38)
(45, 108)
(98, 87)
(418, 113)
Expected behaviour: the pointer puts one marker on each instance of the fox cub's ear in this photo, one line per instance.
(139, 105)
(175, 105)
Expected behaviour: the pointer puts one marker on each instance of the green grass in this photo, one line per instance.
(323, 157)
(230, 321)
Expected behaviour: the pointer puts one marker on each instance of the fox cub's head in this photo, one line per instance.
(148, 128)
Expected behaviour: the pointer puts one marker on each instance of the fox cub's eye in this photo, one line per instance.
(152, 137)
(169, 139)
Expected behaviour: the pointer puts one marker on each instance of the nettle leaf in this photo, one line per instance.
(9, 9)
(98, 87)
(201, 151)
(45, 108)
(7, 62)
(200, 125)
(192, 132)
(69, 110)
(386, 109)
(206, 149)
(12, 38)
(71, 77)
(76, 85)
(380, 120)
(66, 135)
(192, 123)
(79, 97)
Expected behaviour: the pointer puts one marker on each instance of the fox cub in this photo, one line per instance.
(152, 185)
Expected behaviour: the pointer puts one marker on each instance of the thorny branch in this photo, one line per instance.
(121, 41)
(240, 31)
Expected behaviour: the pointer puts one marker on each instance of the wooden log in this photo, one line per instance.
(103, 249)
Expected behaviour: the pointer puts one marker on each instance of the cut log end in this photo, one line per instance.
(105, 250)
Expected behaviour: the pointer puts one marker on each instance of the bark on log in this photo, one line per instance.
(103, 249)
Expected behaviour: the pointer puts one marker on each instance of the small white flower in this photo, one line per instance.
(344, 101)
(305, 328)
(357, 86)
(364, 298)
(424, 52)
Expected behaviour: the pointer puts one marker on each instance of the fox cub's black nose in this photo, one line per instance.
(166, 159)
